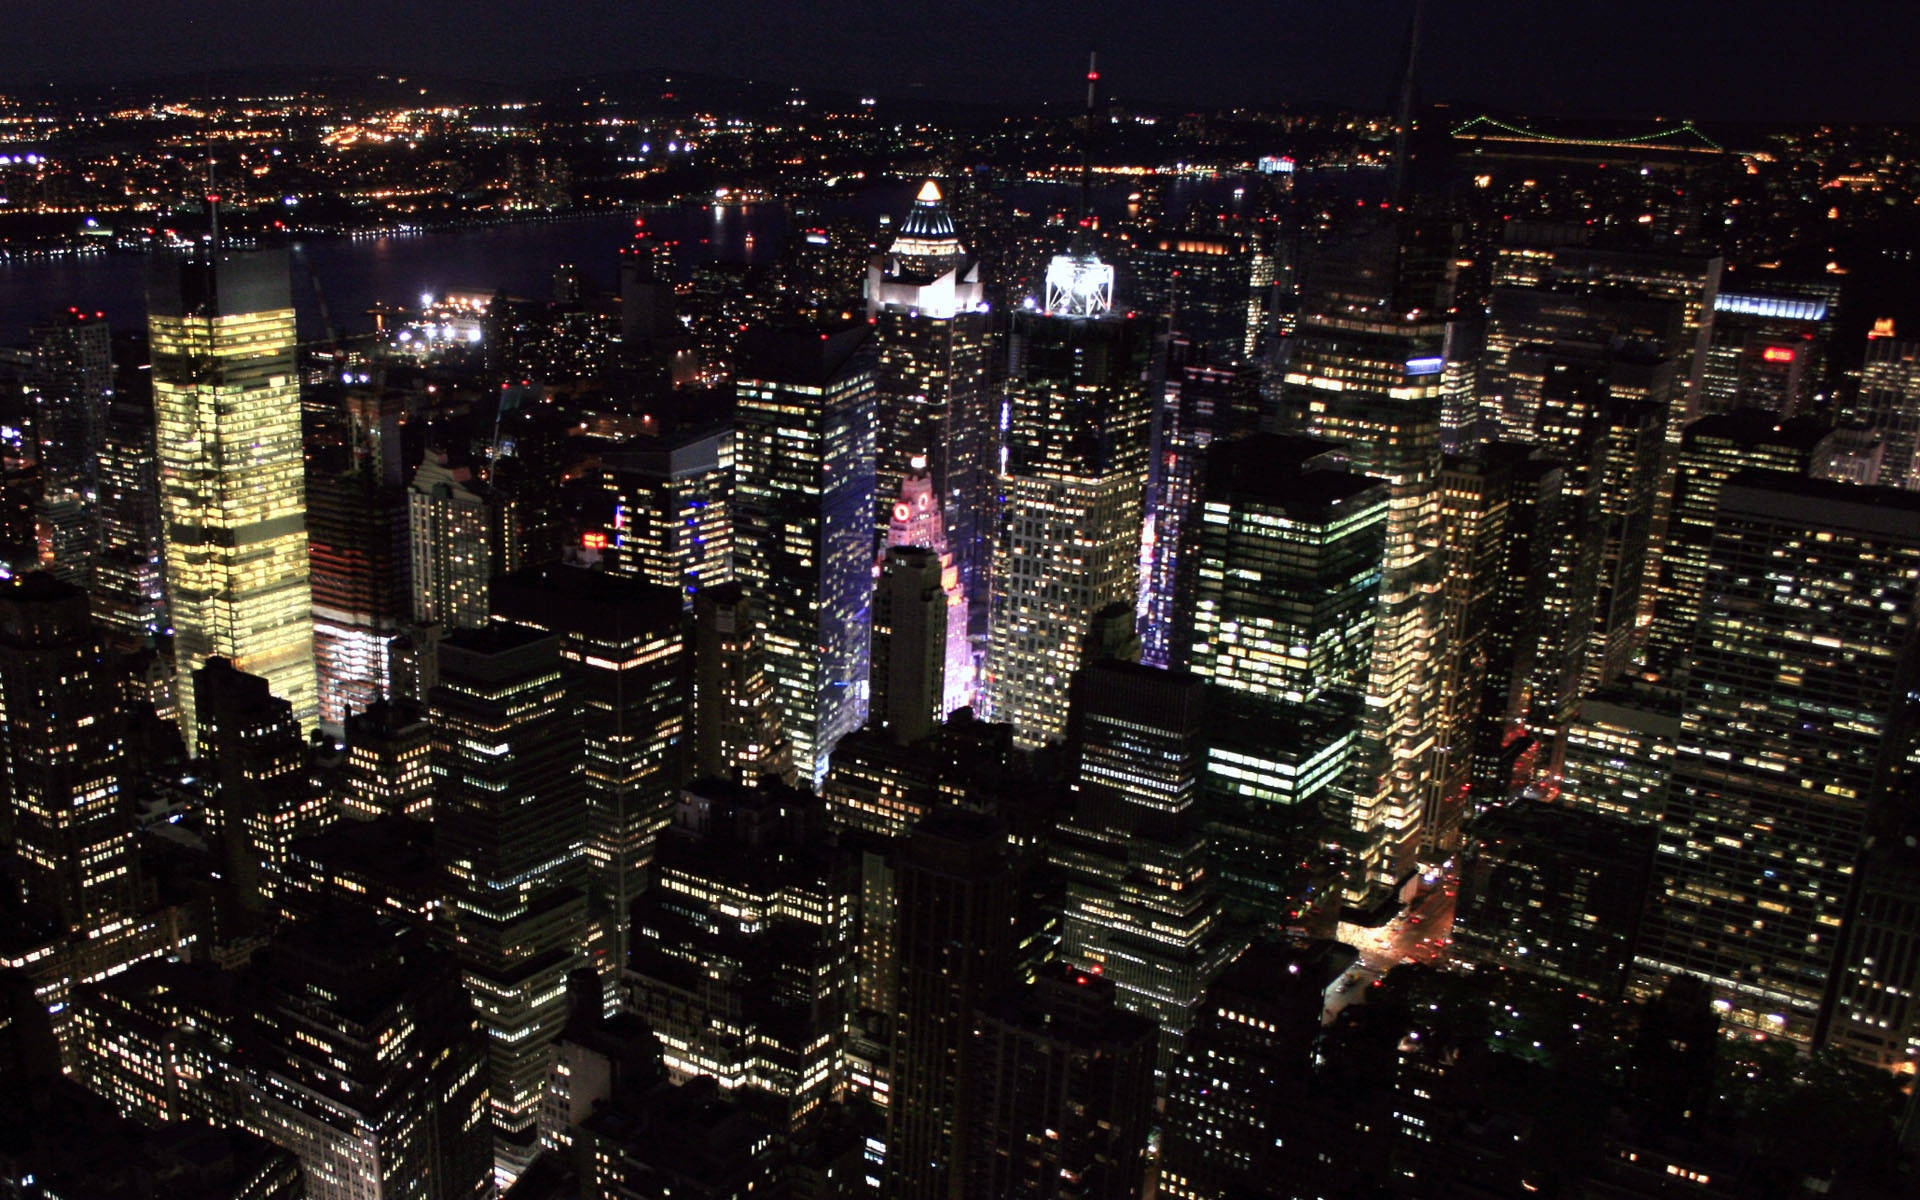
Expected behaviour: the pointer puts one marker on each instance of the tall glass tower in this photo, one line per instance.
(803, 533)
(227, 410)
(1073, 491)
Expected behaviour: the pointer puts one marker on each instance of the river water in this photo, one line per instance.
(357, 273)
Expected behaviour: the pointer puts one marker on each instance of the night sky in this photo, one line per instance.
(1710, 59)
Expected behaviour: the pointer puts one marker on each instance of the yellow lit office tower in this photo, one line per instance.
(1074, 492)
(1375, 383)
(232, 476)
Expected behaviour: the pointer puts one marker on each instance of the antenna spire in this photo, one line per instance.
(1403, 115)
(1086, 138)
(213, 209)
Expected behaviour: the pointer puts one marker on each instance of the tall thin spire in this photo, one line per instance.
(213, 210)
(1403, 110)
(1086, 140)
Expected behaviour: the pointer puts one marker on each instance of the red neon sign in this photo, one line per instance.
(1779, 354)
(593, 540)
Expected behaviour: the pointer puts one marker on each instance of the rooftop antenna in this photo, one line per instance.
(1403, 117)
(1086, 140)
(213, 208)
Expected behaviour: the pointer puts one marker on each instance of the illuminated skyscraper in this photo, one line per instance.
(452, 525)
(624, 653)
(1282, 589)
(1073, 489)
(1788, 740)
(510, 830)
(1375, 382)
(387, 771)
(129, 579)
(1213, 289)
(226, 397)
(70, 385)
(357, 526)
(1199, 404)
(916, 522)
(1140, 909)
(256, 760)
(804, 527)
(736, 728)
(1888, 404)
(743, 960)
(362, 1059)
(1712, 450)
(931, 338)
(673, 510)
(63, 747)
(1766, 351)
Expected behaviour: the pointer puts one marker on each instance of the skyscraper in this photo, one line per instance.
(510, 832)
(63, 747)
(357, 529)
(1073, 489)
(736, 728)
(1199, 403)
(744, 947)
(956, 897)
(1280, 598)
(910, 634)
(1888, 404)
(1374, 381)
(256, 759)
(623, 650)
(672, 510)
(70, 384)
(362, 1059)
(1797, 677)
(129, 580)
(932, 338)
(451, 522)
(1140, 909)
(1064, 1092)
(227, 405)
(917, 522)
(803, 527)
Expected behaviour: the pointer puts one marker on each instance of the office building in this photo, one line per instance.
(743, 960)
(1888, 406)
(1767, 350)
(63, 746)
(129, 582)
(910, 631)
(1073, 490)
(510, 830)
(1795, 683)
(1619, 753)
(1553, 891)
(226, 398)
(454, 528)
(1244, 1086)
(736, 728)
(357, 538)
(1064, 1092)
(256, 762)
(1140, 905)
(1215, 290)
(362, 1059)
(672, 522)
(1375, 382)
(388, 771)
(803, 527)
(956, 894)
(623, 651)
(1712, 450)
(932, 340)
(1199, 404)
